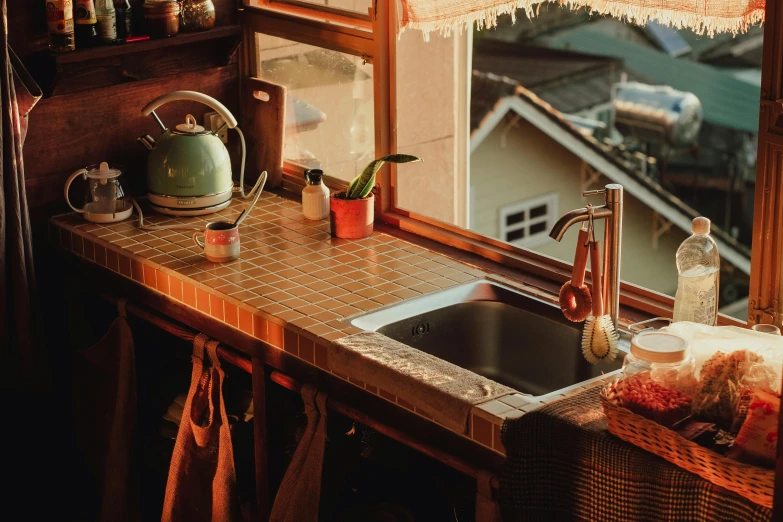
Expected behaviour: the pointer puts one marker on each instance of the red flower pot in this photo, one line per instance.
(351, 218)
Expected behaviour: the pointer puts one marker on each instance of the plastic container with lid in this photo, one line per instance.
(658, 377)
(666, 357)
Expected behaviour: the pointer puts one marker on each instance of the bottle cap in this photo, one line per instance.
(701, 225)
(659, 347)
(313, 176)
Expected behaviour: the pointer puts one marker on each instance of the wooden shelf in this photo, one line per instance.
(108, 51)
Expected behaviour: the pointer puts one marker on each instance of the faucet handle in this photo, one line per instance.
(593, 192)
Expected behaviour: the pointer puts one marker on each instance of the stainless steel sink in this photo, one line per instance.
(495, 331)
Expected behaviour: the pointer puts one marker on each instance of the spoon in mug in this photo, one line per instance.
(247, 209)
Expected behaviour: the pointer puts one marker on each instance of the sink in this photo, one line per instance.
(495, 331)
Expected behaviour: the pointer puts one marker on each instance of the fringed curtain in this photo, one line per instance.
(20, 343)
(702, 16)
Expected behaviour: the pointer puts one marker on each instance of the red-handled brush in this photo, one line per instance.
(575, 298)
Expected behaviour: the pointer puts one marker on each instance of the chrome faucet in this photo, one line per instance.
(612, 212)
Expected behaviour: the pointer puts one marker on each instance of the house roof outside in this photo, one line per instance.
(726, 100)
(742, 50)
(571, 81)
(610, 161)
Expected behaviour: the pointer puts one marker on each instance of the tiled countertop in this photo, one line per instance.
(292, 287)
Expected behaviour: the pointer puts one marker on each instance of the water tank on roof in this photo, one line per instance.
(657, 113)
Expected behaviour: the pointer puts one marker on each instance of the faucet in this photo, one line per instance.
(612, 212)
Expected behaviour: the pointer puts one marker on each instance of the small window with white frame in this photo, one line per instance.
(528, 223)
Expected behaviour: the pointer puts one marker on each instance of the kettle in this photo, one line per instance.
(188, 167)
(105, 199)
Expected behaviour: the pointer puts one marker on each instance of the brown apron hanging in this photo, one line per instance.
(105, 388)
(299, 496)
(202, 482)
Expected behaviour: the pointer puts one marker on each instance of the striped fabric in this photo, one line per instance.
(562, 464)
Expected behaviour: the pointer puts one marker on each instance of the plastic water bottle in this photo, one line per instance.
(698, 264)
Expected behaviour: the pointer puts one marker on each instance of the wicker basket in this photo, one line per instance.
(754, 483)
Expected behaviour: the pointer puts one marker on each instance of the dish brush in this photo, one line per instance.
(575, 298)
(599, 337)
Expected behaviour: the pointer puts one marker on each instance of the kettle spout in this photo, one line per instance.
(147, 141)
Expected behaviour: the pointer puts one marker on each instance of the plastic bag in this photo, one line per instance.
(721, 382)
(731, 363)
(705, 341)
(757, 440)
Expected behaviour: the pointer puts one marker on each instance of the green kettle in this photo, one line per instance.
(188, 167)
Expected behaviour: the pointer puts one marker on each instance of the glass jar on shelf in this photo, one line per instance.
(162, 18)
(198, 15)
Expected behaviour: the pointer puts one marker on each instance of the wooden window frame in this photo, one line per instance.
(374, 39)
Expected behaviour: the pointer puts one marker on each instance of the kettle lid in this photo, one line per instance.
(190, 126)
(103, 172)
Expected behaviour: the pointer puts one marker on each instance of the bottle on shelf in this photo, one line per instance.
(59, 19)
(698, 264)
(107, 21)
(124, 18)
(86, 27)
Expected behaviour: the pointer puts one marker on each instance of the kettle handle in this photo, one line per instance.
(80, 172)
(192, 96)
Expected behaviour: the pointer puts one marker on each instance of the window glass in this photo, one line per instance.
(329, 108)
(570, 102)
(354, 6)
(428, 126)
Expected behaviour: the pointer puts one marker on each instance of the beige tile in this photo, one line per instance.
(515, 401)
(494, 407)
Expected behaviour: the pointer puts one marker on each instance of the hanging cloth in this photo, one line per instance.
(299, 496)
(20, 326)
(201, 485)
(702, 16)
(105, 406)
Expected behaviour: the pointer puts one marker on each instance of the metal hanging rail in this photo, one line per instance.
(241, 361)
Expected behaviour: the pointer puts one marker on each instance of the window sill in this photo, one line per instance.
(529, 268)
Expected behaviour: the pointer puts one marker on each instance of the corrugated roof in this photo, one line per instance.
(727, 101)
(570, 81)
(485, 93)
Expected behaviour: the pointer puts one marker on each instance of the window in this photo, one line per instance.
(354, 6)
(528, 223)
(329, 108)
(535, 108)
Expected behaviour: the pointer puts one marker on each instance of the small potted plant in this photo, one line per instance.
(352, 212)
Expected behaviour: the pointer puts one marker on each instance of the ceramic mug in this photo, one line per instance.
(221, 241)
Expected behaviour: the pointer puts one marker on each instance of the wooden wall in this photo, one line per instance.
(92, 111)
